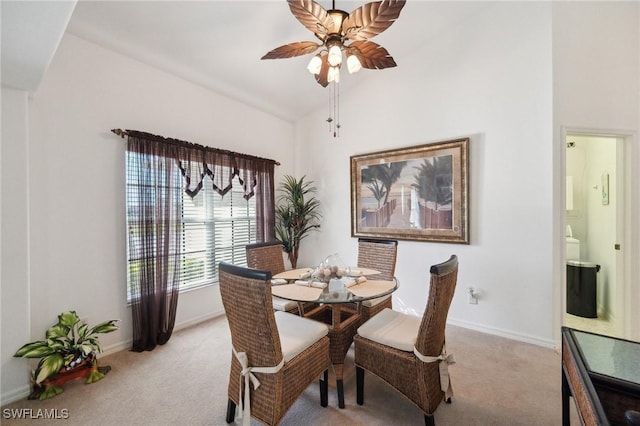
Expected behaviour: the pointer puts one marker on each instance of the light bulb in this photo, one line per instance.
(353, 64)
(333, 74)
(335, 55)
(315, 65)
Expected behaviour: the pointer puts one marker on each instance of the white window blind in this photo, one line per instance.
(215, 229)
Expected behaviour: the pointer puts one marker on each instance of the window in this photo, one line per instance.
(213, 228)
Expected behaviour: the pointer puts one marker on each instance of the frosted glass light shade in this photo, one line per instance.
(335, 55)
(315, 65)
(353, 64)
(333, 74)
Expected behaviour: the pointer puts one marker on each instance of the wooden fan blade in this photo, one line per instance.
(292, 49)
(371, 55)
(313, 16)
(321, 77)
(371, 19)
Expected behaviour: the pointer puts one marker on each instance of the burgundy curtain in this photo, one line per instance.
(162, 169)
(265, 205)
(256, 178)
(154, 240)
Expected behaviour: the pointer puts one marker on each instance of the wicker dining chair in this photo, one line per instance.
(284, 352)
(409, 352)
(381, 256)
(268, 257)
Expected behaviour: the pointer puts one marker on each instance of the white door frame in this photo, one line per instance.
(629, 296)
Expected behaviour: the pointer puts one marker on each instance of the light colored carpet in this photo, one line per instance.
(496, 381)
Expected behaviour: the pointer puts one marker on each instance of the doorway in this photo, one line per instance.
(594, 231)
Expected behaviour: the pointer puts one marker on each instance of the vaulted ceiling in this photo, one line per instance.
(216, 44)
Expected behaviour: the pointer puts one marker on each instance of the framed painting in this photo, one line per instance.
(418, 193)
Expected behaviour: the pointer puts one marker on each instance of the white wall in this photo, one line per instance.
(488, 78)
(14, 261)
(596, 69)
(76, 181)
(576, 163)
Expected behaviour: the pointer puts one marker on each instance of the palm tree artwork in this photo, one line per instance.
(416, 193)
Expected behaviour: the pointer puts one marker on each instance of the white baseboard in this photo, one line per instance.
(509, 334)
(15, 395)
(197, 320)
(116, 347)
(126, 345)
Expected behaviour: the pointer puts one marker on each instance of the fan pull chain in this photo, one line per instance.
(338, 110)
(334, 110)
(330, 119)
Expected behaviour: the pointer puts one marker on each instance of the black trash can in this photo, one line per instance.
(582, 288)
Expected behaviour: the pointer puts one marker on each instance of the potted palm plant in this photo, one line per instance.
(297, 214)
(68, 352)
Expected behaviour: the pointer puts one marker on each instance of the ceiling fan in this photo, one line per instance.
(338, 32)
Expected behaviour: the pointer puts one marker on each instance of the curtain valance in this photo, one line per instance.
(197, 161)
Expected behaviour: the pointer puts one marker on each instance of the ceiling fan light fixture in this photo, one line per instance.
(315, 65)
(353, 63)
(339, 31)
(333, 28)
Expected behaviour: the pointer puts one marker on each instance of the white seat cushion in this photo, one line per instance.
(392, 328)
(297, 333)
(283, 304)
(373, 302)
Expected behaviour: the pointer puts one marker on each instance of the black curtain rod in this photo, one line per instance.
(150, 136)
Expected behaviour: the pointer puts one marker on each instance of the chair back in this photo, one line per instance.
(379, 255)
(249, 308)
(266, 256)
(444, 277)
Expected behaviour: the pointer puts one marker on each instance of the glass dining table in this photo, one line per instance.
(336, 303)
(602, 373)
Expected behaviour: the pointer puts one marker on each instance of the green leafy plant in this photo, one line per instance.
(297, 214)
(68, 343)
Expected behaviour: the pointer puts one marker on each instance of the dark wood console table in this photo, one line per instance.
(602, 373)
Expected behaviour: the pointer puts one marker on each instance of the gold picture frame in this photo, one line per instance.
(418, 193)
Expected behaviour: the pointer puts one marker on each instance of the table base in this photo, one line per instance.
(343, 324)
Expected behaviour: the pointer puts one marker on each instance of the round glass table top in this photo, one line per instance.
(289, 285)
